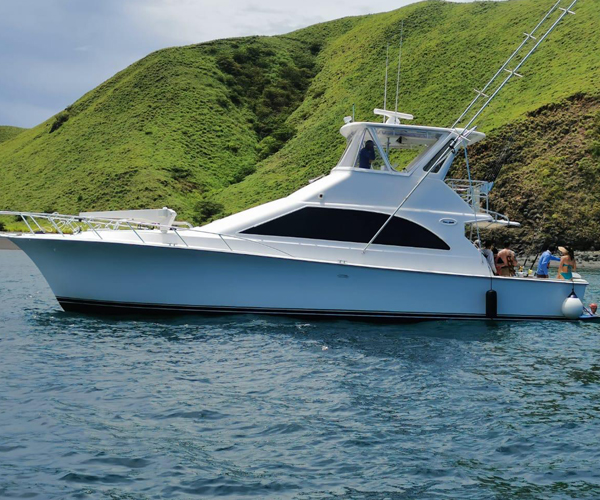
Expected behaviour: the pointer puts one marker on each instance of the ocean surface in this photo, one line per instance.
(262, 407)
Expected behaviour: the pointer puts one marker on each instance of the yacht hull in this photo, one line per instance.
(115, 277)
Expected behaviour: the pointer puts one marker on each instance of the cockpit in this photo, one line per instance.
(395, 148)
(389, 148)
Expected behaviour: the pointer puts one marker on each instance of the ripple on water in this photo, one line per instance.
(73, 477)
(249, 406)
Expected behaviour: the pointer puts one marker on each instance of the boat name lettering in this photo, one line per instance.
(448, 222)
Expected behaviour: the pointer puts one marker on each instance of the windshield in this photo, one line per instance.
(384, 147)
(402, 147)
(370, 155)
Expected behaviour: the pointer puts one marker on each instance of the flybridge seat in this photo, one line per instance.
(165, 217)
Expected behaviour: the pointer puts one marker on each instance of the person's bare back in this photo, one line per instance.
(507, 256)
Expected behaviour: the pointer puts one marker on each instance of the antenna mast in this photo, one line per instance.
(387, 61)
(399, 65)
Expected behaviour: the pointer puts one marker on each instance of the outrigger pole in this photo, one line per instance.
(463, 133)
(513, 72)
(528, 36)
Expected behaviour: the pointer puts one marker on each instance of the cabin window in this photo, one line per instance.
(370, 156)
(402, 147)
(355, 226)
(435, 159)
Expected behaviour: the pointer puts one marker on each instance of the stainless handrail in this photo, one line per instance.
(235, 236)
(471, 192)
(97, 224)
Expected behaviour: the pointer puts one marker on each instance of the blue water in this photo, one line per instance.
(261, 407)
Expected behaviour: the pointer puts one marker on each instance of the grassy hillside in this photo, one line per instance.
(214, 128)
(168, 130)
(7, 132)
(449, 50)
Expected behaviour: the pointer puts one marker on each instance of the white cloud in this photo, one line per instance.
(189, 21)
(58, 50)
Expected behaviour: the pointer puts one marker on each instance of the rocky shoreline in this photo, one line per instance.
(589, 259)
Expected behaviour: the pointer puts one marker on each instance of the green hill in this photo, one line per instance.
(214, 128)
(7, 132)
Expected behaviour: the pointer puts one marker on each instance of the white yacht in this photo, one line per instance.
(325, 250)
(383, 236)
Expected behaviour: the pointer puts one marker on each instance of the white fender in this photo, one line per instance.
(572, 307)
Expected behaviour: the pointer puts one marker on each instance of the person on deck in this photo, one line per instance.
(366, 155)
(489, 256)
(544, 263)
(506, 262)
(567, 263)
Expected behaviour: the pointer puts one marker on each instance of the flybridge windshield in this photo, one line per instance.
(388, 148)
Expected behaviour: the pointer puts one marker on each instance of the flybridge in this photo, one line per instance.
(464, 126)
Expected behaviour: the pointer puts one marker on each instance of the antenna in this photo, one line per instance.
(387, 63)
(495, 80)
(399, 64)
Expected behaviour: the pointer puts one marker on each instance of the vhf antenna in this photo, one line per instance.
(387, 63)
(399, 65)
(462, 135)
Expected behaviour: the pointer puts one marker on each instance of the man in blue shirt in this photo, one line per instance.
(366, 155)
(545, 258)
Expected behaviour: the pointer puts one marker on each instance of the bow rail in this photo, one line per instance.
(55, 223)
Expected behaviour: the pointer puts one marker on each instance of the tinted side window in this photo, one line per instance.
(436, 157)
(354, 226)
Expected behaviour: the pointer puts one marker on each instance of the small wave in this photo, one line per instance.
(131, 463)
(74, 477)
(195, 415)
(6, 449)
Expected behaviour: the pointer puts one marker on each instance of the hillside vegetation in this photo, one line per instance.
(7, 132)
(214, 128)
(546, 169)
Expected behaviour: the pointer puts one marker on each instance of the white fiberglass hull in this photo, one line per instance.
(115, 277)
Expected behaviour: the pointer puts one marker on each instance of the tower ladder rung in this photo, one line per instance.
(513, 72)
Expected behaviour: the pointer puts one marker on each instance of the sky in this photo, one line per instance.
(54, 51)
